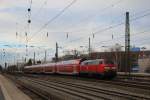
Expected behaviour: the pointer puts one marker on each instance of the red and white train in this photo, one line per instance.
(101, 67)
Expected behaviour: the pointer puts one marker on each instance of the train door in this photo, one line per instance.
(100, 67)
(92, 66)
(84, 67)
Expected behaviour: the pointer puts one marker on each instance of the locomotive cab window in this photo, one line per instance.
(93, 62)
(84, 63)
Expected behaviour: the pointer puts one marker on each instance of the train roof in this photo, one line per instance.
(94, 60)
(40, 65)
(75, 61)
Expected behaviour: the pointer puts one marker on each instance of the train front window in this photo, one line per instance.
(100, 62)
(109, 62)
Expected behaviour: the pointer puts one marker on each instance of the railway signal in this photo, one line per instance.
(67, 35)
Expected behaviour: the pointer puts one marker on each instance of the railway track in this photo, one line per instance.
(120, 82)
(128, 83)
(100, 90)
(56, 87)
(134, 77)
(77, 93)
(83, 91)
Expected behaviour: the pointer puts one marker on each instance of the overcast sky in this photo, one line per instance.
(103, 18)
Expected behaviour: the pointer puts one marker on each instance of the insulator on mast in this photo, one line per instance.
(112, 36)
(29, 21)
(67, 35)
(47, 34)
(26, 34)
(93, 35)
(29, 9)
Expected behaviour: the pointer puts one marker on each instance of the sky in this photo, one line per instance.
(82, 19)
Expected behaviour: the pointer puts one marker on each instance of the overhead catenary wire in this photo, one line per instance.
(110, 27)
(95, 32)
(89, 17)
(102, 10)
(134, 34)
(98, 33)
(122, 36)
(40, 9)
(55, 17)
(29, 20)
(138, 17)
(111, 5)
(142, 40)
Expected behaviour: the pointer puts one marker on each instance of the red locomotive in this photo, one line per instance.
(98, 67)
(101, 67)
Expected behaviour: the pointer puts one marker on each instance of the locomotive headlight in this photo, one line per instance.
(113, 68)
(107, 68)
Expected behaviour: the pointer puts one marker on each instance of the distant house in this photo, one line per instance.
(144, 64)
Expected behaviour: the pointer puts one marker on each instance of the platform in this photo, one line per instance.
(10, 91)
(1, 95)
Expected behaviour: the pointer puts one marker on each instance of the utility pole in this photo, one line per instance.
(34, 59)
(56, 54)
(45, 56)
(127, 44)
(5, 66)
(28, 28)
(26, 46)
(89, 47)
